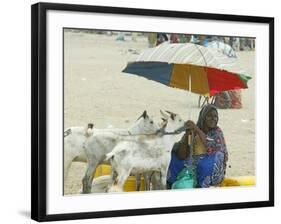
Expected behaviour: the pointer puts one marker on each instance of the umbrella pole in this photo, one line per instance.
(189, 89)
(190, 136)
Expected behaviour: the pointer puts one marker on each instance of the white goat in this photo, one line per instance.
(74, 139)
(143, 155)
(101, 143)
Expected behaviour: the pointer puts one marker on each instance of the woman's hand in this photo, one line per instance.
(190, 126)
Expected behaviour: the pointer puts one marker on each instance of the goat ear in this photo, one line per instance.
(163, 119)
(172, 115)
(163, 125)
(89, 131)
(144, 114)
(165, 116)
(90, 125)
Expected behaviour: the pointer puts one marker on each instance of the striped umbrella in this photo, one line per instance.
(178, 65)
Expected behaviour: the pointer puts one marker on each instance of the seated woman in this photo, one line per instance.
(210, 153)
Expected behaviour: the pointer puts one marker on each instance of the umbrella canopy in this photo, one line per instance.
(223, 48)
(177, 65)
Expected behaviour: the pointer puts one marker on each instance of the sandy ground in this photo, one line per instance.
(96, 91)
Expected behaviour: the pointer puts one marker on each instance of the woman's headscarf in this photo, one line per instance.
(202, 115)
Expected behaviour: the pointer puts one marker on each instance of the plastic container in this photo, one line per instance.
(130, 184)
(239, 181)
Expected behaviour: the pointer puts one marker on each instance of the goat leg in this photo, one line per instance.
(138, 181)
(88, 178)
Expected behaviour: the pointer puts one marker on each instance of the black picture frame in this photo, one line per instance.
(39, 109)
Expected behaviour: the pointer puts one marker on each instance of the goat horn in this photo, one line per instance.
(170, 112)
(164, 114)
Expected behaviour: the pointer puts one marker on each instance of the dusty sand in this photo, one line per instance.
(96, 91)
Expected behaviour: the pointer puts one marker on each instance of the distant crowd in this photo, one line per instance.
(237, 43)
(154, 39)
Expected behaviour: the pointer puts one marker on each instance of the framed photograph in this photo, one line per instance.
(141, 111)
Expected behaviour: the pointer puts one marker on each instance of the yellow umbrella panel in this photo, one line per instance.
(180, 78)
